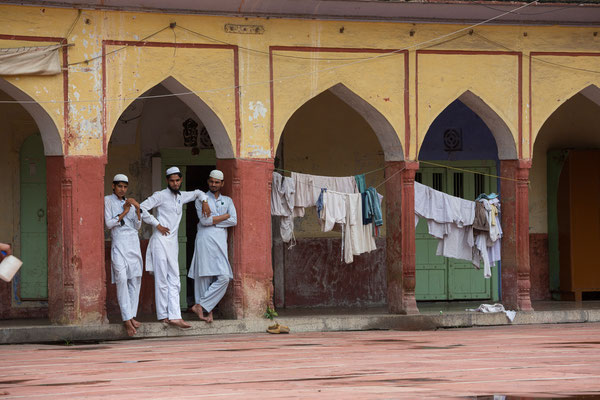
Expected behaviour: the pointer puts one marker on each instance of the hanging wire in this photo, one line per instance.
(470, 171)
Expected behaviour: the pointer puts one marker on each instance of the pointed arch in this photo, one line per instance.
(215, 127)
(505, 141)
(591, 92)
(385, 132)
(53, 144)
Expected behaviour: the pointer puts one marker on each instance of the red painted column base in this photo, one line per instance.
(400, 236)
(76, 276)
(516, 279)
(248, 183)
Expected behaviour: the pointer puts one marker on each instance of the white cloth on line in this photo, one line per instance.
(441, 207)
(480, 253)
(163, 250)
(308, 189)
(334, 210)
(283, 190)
(359, 237)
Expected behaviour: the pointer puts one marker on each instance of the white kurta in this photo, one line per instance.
(125, 247)
(126, 256)
(163, 250)
(210, 251)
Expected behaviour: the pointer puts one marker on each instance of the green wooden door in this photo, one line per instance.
(34, 238)
(440, 278)
(183, 157)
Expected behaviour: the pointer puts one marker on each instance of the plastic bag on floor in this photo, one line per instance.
(494, 308)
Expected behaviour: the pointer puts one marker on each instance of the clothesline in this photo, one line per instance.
(470, 171)
(434, 164)
(375, 170)
(364, 173)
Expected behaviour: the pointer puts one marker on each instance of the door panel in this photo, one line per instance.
(34, 237)
(440, 278)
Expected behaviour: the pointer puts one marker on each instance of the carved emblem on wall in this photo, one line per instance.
(190, 133)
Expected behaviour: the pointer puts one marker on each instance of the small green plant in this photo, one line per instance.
(270, 313)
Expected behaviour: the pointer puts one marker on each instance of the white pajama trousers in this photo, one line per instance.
(167, 286)
(209, 290)
(128, 294)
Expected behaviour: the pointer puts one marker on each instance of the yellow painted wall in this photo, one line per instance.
(209, 72)
(434, 80)
(574, 125)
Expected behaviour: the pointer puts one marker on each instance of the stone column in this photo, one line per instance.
(76, 274)
(248, 183)
(516, 282)
(400, 236)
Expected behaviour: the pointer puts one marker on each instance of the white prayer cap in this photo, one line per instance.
(173, 170)
(120, 178)
(215, 173)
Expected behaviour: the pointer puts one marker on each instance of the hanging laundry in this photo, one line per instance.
(282, 205)
(308, 189)
(443, 208)
(360, 183)
(451, 220)
(481, 221)
(359, 237)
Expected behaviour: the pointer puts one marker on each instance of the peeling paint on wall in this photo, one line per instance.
(258, 110)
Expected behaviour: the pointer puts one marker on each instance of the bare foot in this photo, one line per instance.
(209, 317)
(164, 321)
(179, 323)
(130, 328)
(197, 309)
(135, 323)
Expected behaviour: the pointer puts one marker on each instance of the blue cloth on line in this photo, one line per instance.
(373, 208)
(320, 202)
(360, 183)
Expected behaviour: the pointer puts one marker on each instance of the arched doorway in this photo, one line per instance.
(336, 133)
(29, 136)
(154, 132)
(460, 155)
(565, 176)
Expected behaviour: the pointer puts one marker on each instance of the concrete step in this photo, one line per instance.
(43, 333)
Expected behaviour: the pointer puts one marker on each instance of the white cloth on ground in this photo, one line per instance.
(308, 189)
(126, 255)
(209, 290)
(163, 250)
(210, 251)
(494, 308)
(282, 204)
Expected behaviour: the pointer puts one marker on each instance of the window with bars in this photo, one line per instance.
(419, 177)
(438, 181)
(459, 186)
(479, 184)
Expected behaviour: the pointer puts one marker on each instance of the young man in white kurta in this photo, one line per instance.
(122, 218)
(210, 267)
(163, 249)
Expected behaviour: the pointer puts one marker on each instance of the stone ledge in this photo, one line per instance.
(317, 323)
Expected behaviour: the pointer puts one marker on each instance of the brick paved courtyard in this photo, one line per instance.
(534, 361)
